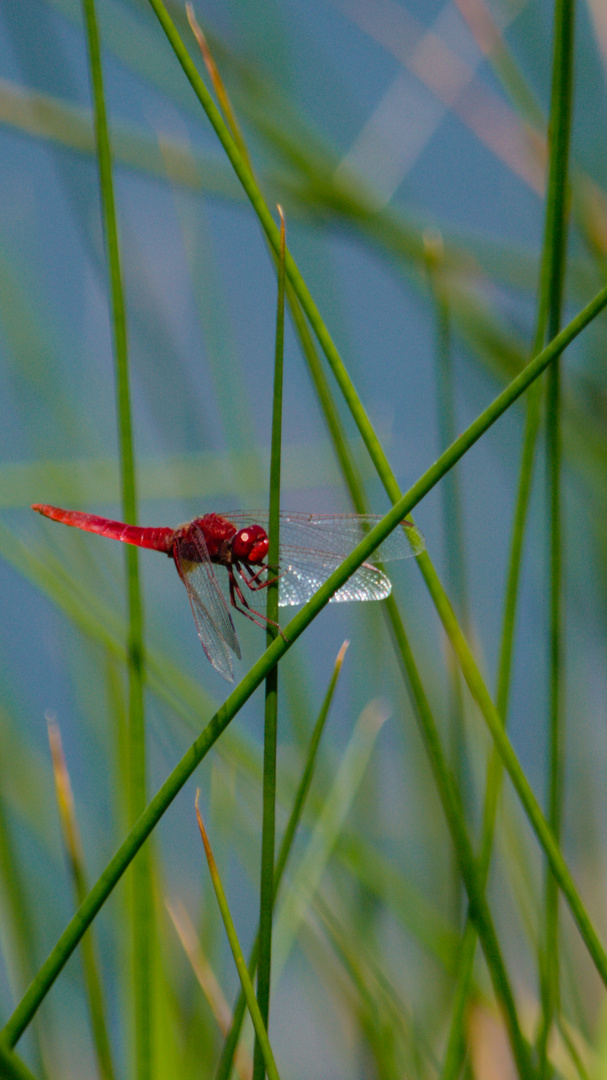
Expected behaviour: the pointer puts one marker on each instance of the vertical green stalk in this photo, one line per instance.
(141, 884)
(224, 1068)
(20, 920)
(266, 900)
(75, 854)
(453, 530)
(547, 327)
(453, 533)
(561, 110)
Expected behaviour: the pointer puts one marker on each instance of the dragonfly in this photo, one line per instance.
(311, 547)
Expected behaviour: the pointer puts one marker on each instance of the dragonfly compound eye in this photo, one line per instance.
(250, 544)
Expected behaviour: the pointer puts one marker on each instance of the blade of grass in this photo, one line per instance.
(266, 890)
(183, 770)
(245, 980)
(73, 847)
(561, 113)
(141, 878)
(225, 1063)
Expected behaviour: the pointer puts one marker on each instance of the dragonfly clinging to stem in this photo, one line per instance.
(311, 547)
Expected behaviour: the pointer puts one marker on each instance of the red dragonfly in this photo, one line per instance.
(311, 547)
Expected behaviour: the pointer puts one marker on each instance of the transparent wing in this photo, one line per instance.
(313, 545)
(335, 534)
(300, 578)
(211, 614)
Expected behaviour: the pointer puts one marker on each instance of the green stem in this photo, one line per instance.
(11, 1066)
(453, 532)
(240, 695)
(266, 891)
(20, 923)
(561, 112)
(142, 900)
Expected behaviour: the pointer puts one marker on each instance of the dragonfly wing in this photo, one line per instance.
(211, 613)
(336, 534)
(302, 572)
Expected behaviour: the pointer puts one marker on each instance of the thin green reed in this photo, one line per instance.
(561, 112)
(266, 891)
(78, 925)
(141, 880)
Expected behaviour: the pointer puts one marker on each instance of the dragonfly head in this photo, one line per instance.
(250, 544)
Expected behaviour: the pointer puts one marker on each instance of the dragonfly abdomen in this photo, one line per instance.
(159, 539)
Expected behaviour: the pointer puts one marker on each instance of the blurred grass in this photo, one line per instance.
(377, 945)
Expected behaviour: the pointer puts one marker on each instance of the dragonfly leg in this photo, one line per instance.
(253, 581)
(237, 598)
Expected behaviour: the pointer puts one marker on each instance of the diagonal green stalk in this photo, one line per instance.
(468, 867)
(561, 113)
(240, 695)
(266, 891)
(456, 1044)
(261, 1034)
(224, 1068)
(141, 879)
(548, 318)
(12, 1067)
